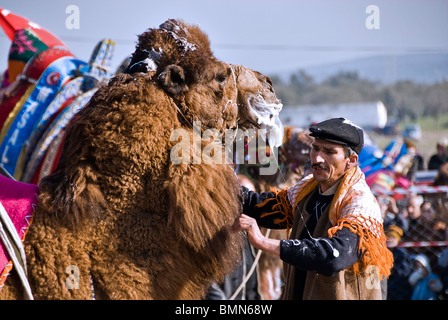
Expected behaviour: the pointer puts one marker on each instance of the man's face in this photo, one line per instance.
(329, 163)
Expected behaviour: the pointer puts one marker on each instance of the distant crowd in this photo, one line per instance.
(420, 269)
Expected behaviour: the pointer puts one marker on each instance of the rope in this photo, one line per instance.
(251, 271)
(181, 113)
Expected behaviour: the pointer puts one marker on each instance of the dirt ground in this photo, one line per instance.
(426, 146)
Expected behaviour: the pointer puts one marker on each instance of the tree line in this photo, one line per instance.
(404, 100)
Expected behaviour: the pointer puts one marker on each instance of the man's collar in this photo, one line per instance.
(332, 189)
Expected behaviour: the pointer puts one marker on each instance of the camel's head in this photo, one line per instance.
(258, 105)
(220, 95)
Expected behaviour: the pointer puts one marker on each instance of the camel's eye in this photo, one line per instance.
(221, 78)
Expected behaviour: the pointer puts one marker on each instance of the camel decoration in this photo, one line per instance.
(117, 217)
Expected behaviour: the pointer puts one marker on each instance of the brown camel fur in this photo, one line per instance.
(116, 208)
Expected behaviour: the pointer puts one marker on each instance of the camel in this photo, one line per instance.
(117, 219)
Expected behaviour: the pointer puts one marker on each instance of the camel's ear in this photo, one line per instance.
(172, 79)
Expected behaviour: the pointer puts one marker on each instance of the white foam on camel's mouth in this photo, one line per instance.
(274, 133)
(267, 119)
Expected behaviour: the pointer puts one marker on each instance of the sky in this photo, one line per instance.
(265, 35)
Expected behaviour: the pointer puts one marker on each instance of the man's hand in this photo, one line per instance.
(256, 238)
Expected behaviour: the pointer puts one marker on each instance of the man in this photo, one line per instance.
(336, 247)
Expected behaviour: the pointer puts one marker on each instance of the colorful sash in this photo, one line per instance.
(57, 127)
(71, 90)
(95, 72)
(8, 103)
(46, 89)
(15, 110)
(51, 158)
(25, 84)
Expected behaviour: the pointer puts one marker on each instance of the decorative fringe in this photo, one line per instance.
(372, 242)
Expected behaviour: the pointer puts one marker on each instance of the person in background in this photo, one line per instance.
(440, 157)
(398, 288)
(442, 176)
(442, 264)
(416, 160)
(426, 283)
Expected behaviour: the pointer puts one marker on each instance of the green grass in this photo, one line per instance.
(429, 123)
